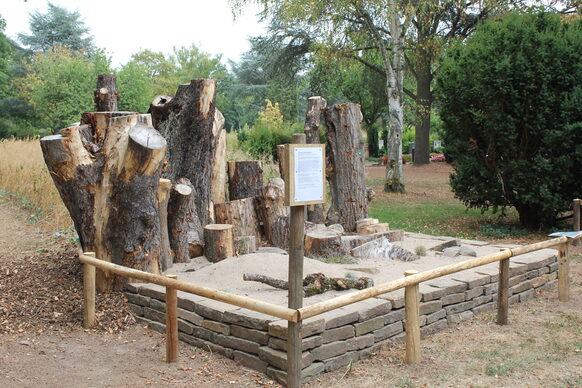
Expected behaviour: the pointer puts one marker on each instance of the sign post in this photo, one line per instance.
(304, 185)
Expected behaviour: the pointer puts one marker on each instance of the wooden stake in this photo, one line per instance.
(89, 294)
(297, 229)
(563, 273)
(412, 322)
(171, 323)
(576, 222)
(503, 293)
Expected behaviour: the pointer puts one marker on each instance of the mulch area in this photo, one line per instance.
(44, 292)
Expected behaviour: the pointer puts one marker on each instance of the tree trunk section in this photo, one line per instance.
(282, 156)
(218, 242)
(164, 188)
(187, 122)
(345, 169)
(181, 221)
(271, 206)
(323, 243)
(245, 179)
(312, 120)
(105, 94)
(241, 214)
(244, 245)
(219, 160)
(280, 232)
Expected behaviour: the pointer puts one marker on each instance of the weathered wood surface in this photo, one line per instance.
(323, 243)
(271, 206)
(241, 214)
(312, 121)
(112, 161)
(282, 158)
(219, 160)
(218, 242)
(345, 168)
(182, 220)
(166, 258)
(244, 245)
(105, 95)
(245, 179)
(374, 228)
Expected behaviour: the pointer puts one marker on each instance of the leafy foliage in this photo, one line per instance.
(511, 104)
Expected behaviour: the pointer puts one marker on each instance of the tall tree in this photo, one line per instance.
(57, 27)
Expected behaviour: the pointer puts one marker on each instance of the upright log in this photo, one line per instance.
(412, 321)
(503, 293)
(345, 168)
(576, 221)
(312, 121)
(218, 242)
(241, 214)
(323, 243)
(245, 179)
(112, 161)
(187, 121)
(282, 156)
(271, 206)
(105, 94)
(563, 273)
(164, 188)
(219, 160)
(181, 220)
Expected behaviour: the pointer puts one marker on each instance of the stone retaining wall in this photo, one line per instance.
(336, 338)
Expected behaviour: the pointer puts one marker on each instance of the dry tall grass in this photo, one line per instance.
(24, 177)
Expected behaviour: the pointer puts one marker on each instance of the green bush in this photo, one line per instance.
(511, 103)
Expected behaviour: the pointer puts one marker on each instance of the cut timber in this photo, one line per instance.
(241, 214)
(366, 222)
(313, 284)
(105, 94)
(219, 161)
(375, 228)
(166, 259)
(271, 205)
(187, 122)
(345, 168)
(112, 161)
(181, 222)
(245, 179)
(218, 242)
(282, 156)
(322, 243)
(244, 245)
(312, 121)
(280, 232)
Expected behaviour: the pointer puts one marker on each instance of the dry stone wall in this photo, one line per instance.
(345, 335)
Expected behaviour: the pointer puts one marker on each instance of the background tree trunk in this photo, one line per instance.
(423, 107)
(345, 169)
(245, 179)
(105, 94)
(312, 121)
(112, 161)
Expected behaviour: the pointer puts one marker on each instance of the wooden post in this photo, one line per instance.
(171, 323)
(412, 322)
(503, 293)
(563, 273)
(89, 293)
(295, 301)
(576, 221)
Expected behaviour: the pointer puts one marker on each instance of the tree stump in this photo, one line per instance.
(107, 172)
(241, 214)
(271, 205)
(105, 94)
(323, 243)
(181, 220)
(244, 245)
(245, 179)
(312, 121)
(164, 187)
(282, 156)
(219, 160)
(218, 242)
(345, 167)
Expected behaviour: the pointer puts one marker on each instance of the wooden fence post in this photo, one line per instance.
(503, 293)
(297, 229)
(171, 323)
(89, 293)
(563, 273)
(412, 322)
(576, 221)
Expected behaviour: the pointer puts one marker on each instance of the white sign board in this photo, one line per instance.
(306, 182)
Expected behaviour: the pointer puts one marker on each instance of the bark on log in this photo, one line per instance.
(271, 205)
(218, 242)
(315, 283)
(181, 220)
(112, 161)
(187, 121)
(282, 156)
(323, 243)
(345, 167)
(164, 188)
(280, 232)
(219, 160)
(245, 179)
(105, 94)
(241, 214)
(244, 245)
(312, 121)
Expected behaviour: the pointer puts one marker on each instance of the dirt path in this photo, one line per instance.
(542, 347)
